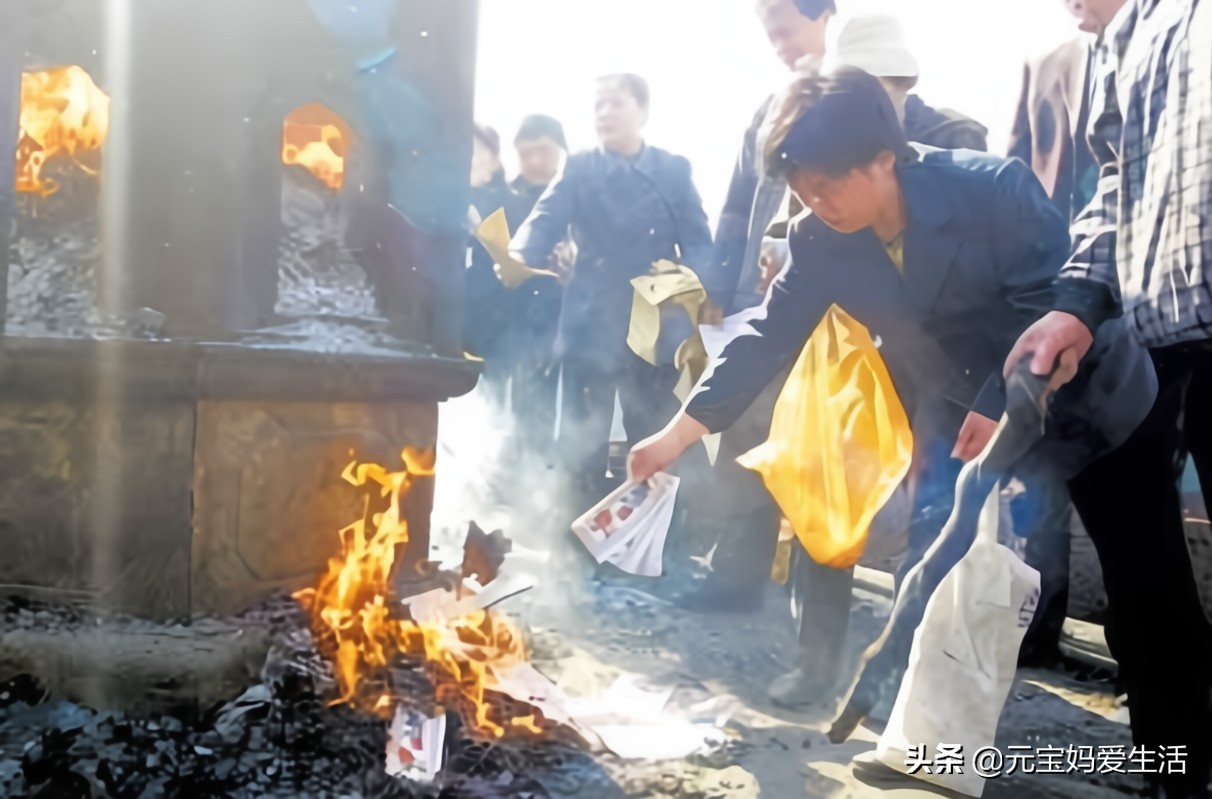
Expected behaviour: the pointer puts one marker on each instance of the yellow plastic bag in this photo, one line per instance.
(839, 442)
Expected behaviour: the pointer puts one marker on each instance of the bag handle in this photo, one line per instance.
(1020, 428)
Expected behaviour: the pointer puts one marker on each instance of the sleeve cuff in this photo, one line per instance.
(712, 420)
(1090, 301)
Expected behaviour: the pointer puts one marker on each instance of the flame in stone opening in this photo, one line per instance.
(62, 111)
(315, 138)
(353, 601)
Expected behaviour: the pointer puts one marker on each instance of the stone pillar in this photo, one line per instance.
(10, 102)
(188, 199)
(438, 45)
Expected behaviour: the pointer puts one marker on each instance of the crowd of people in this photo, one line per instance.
(1085, 253)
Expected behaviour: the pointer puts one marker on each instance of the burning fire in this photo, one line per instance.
(62, 110)
(312, 137)
(351, 606)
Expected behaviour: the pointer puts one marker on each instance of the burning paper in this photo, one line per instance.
(352, 608)
(525, 684)
(484, 554)
(441, 605)
(628, 527)
(415, 746)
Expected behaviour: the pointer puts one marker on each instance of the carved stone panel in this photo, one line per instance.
(95, 501)
(269, 498)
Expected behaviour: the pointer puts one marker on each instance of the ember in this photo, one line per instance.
(62, 111)
(351, 607)
(314, 138)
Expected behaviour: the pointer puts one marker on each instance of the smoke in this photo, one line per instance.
(488, 471)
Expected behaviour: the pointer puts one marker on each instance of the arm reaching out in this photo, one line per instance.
(657, 453)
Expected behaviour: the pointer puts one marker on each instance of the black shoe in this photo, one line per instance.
(803, 688)
(721, 600)
(1040, 656)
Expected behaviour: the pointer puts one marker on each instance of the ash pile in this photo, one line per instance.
(283, 736)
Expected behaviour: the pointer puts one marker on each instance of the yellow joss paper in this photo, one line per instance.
(493, 233)
(671, 284)
(839, 442)
(666, 283)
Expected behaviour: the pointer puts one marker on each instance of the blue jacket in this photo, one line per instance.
(624, 215)
(507, 325)
(982, 248)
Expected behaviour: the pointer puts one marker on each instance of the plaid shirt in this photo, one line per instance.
(1144, 244)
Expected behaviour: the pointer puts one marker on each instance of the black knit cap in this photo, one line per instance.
(536, 126)
(813, 9)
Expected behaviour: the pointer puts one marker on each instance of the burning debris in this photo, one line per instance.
(314, 138)
(280, 741)
(311, 723)
(62, 111)
(358, 692)
(484, 554)
(464, 648)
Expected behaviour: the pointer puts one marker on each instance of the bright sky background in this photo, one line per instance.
(709, 65)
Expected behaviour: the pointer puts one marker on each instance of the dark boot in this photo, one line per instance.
(821, 596)
(811, 683)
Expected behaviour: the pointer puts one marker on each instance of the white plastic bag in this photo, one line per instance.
(963, 661)
(628, 527)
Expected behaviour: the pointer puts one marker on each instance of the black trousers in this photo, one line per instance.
(1157, 628)
(820, 605)
(1044, 514)
(732, 506)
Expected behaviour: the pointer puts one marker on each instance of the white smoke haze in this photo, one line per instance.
(489, 473)
(473, 445)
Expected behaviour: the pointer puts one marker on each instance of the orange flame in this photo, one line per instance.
(313, 137)
(351, 604)
(62, 110)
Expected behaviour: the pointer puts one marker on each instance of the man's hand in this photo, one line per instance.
(772, 260)
(973, 436)
(1058, 341)
(657, 453)
(562, 259)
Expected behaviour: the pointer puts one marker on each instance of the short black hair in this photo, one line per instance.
(489, 138)
(831, 123)
(537, 126)
(633, 84)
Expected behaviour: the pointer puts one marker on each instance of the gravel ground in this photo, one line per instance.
(729, 661)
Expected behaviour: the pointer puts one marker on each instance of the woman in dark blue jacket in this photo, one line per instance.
(946, 257)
